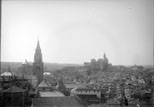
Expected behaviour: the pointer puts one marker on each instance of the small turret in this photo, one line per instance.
(105, 62)
(104, 56)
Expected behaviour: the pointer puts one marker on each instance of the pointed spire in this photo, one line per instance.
(38, 44)
(38, 54)
(104, 55)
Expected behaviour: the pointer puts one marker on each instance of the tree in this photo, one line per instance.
(62, 88)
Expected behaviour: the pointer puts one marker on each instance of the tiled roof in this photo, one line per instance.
(68, 101)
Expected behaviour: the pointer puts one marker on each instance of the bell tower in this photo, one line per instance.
(38, 63)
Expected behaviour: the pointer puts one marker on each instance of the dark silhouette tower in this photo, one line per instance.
(38, 63)
(105, 62)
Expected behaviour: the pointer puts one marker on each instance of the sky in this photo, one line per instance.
(77, 31)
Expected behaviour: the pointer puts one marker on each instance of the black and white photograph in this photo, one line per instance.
(77, 53)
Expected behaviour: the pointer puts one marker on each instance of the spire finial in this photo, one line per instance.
(38, 43)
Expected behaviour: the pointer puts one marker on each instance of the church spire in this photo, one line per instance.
(38, 44)
(38, 53)
(38, 65)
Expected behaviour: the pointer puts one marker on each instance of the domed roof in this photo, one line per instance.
(6, 74)
(46, 73)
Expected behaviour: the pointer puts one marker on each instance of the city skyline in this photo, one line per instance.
(77, 31)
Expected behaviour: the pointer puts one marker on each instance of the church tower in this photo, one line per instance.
(38, 63)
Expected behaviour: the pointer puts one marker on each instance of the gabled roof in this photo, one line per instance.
(14, 89)
(68, 101)
(44, 83)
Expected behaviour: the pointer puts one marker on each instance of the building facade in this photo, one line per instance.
(100, 64)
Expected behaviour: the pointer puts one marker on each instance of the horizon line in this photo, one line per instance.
(79, 63)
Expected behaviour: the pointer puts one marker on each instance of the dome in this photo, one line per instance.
(46, 73)
(6, 74)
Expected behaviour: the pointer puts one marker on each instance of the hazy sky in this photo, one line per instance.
(79, 30)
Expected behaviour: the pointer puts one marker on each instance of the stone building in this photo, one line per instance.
(34, 71)
(38, 65)
(25, 69)
(100, 64)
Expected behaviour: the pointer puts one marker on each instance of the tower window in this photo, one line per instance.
(37, 67)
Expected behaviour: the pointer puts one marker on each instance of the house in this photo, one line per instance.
(44, 86)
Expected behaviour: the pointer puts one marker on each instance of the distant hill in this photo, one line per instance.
(47, 66)
(57, 66)
(13, 66)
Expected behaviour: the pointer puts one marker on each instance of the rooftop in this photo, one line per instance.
(14, 89)
(6, 74)
(71, 85)
(68, 101)
(51, 94)
(44, 83)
